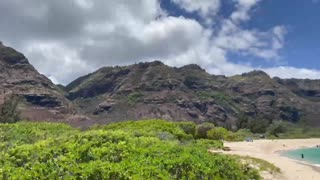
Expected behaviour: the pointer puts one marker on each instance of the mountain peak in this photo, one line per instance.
(256, 73)
(10, 56)
(192, 67)
(150, 64)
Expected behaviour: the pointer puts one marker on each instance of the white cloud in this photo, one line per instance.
(243, 9)
(66, 39)
(57, 61)
(292, 72)
(206, 8)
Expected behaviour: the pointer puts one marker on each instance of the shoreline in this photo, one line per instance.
(280, 153)
(271, 151)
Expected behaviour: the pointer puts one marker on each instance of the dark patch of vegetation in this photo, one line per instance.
(11, 56)
(202, 130)
(188, 127)
(276, 128)
(290, 114)
(286, 130)
(219, 97)
(9, 112)
(258, 125)
(192, 82)
(134, 98)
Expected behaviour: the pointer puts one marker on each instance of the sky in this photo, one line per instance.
(65, 39)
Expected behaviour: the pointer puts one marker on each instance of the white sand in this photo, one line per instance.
(269, 151)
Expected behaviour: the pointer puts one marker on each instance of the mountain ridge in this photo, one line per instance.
(155, 90)
(190, 93)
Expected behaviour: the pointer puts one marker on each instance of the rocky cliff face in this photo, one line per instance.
(40, 98)
(154, 90)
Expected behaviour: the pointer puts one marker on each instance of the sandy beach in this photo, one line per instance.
(269, 151)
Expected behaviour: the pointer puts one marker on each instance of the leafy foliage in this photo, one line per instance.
(192, 81)
(151, 128)
(217, 133)
(221, 98)
(293, 131)
(134, 98)
(128, 150)
(276, 128)
(9, 111)
(257, 125)
(202, 130)
(188, 127)
(22, 133)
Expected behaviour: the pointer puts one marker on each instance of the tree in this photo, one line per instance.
(188, 127)
(277, 128)
(258, 125)
(9, 110)
(202, 129)
(217, 133)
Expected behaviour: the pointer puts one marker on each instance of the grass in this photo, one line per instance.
(262, 165)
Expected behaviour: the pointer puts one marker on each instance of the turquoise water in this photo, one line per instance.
(311, 155)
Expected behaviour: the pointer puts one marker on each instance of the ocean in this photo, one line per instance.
(311, 155)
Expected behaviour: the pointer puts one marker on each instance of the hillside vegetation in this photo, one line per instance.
(152, 149)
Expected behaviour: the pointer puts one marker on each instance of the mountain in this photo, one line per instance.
(155, 90)
(40, 100)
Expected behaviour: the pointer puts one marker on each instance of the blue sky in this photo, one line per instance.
(300, 17)
(65, 39)
(302, 46)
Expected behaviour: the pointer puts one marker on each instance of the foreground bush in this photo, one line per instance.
(130, 150)
(24, 133)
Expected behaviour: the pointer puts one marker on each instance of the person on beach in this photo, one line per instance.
(302, 156)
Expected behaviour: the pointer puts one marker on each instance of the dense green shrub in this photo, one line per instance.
(192, 81)
(9, 110)
(276, 128)
(218, 133)
(151, 128)
(294, 131)
(188, 127)
(258, 125)
(202, 129)
(28, 133)
(134, 98)
(219, 97)
(231, 136)
(129, 150)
